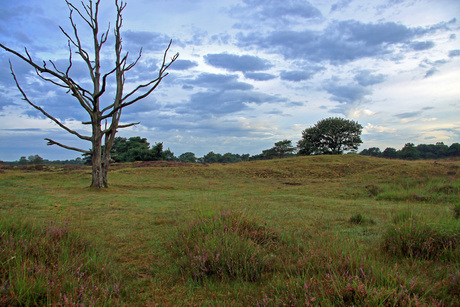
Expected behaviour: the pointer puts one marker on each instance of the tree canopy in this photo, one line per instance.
(332, 135)
(412, 152)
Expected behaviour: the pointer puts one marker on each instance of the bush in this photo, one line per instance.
(415, 239)
(227, 246)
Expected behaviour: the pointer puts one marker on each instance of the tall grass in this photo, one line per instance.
(51, 266)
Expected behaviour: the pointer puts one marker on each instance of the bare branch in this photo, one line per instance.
(104, 79)
(83, 137)
(128, 125)
(73, 8)
(70, 60)
(152, 84)
(51, 142)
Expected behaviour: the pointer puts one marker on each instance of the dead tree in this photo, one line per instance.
(104, 120)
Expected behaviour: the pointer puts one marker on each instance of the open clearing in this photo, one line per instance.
(319, 230)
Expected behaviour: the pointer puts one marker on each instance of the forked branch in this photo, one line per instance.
(83, 137)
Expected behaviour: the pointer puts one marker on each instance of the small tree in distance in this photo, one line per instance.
(103, 118)
(332, 135)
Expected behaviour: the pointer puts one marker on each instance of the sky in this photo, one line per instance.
(250, 72)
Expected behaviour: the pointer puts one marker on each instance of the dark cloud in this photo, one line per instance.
(187, 87)
(183, 65)
(221, 39)
(232, 62)
(340, 5)
(433, 66)
(295, 76)
(408, 114)
(218, 82)
(454, 53)
(259, 76)
(347, 94)
(419, 46)
(273, 12)
(150, 41)
(431, 72)
(366, 78)
(340, 42)
(224, 102)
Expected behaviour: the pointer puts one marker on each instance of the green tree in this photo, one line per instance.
(390, 153)
(35, 159)
(332, 135)
(212, 157)
(284, 148)
(454, 150)
(187, 157)
(373, 151)
(409, 152)
(23, 161)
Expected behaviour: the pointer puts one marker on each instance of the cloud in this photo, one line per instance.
(340, 5)
(408, 114)
(273, 12)
(258, 76)
(295, 75)
(151, 41)
(183, 65)
(420, 46)
(340, 42)
(454, 53)
(224, 102)
(431, 72)
(347, 94)
(366, 78)
(232, 62)
(218, 82)
(370, 129)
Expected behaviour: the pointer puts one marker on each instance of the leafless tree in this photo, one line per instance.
(104, 120)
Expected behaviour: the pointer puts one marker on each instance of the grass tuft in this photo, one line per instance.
(359, 219)
(456, 211)
(415, 239)
(52, 266)
(227, 247)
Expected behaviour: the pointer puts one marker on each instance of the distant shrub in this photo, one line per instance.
(415, 239)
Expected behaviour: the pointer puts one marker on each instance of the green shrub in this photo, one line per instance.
(227, 246)
(415, 239)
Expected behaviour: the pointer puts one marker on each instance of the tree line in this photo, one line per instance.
(329, 136)
(412, 152)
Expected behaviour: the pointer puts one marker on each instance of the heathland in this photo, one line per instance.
(318, 230)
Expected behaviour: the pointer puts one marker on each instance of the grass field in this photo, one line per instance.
(319, 230)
